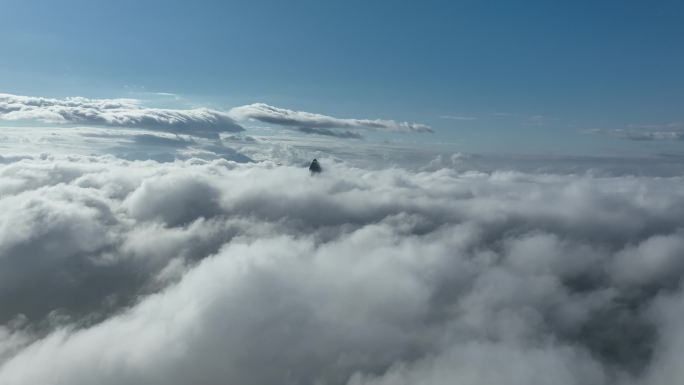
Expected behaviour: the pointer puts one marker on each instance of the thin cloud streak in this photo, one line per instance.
(300, 119)
(454, 117)
(670, 132)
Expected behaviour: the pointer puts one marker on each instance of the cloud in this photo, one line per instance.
(116, 113)
(213, 272)
(673, 131)
(647, 135)
(455, 117)
(155, 140)
(320, 124)
(327, 132)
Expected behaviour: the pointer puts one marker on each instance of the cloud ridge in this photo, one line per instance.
(116, 113)
(307, 120)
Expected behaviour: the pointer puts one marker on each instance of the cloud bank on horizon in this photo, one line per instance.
(672, 132)
(115, 113)
(213, 272)
(202, 122)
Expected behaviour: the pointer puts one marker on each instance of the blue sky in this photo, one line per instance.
(492, 76)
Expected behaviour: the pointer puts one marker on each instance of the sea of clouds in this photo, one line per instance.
(204, 270)
(163, 246)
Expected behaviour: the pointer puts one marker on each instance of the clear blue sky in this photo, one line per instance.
(534, 75)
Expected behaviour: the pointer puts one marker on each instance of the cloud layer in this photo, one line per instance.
(116, 113)
(215, 272)
(651, 132)
(648, 135)
(321, 124)
(202, 122)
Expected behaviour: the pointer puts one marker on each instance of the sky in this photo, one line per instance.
(533, 77)
(500, 198)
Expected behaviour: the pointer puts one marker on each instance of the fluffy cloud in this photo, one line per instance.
(116, 113)
(308, 122)
(214, 272)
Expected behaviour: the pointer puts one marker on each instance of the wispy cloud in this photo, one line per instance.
(327, 132)
(455, 117)
(648, 132)
(536, 120)
(648, 135)
(116, 113)
(524, 118)
(313, 123)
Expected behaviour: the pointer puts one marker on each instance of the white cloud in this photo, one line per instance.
(673, 131)
(116, 113)
(458, 117)
(216, 272)
(647, 135)
(322, 124)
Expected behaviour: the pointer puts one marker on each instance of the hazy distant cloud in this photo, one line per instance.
(154, 140)
(116, 113)
(328, 132)
(524, 118)
(536, 120)
(646, 135)
(673, 131)
(455, 117)
(307, 120)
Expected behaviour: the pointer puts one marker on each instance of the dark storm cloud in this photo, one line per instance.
(216, 272)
